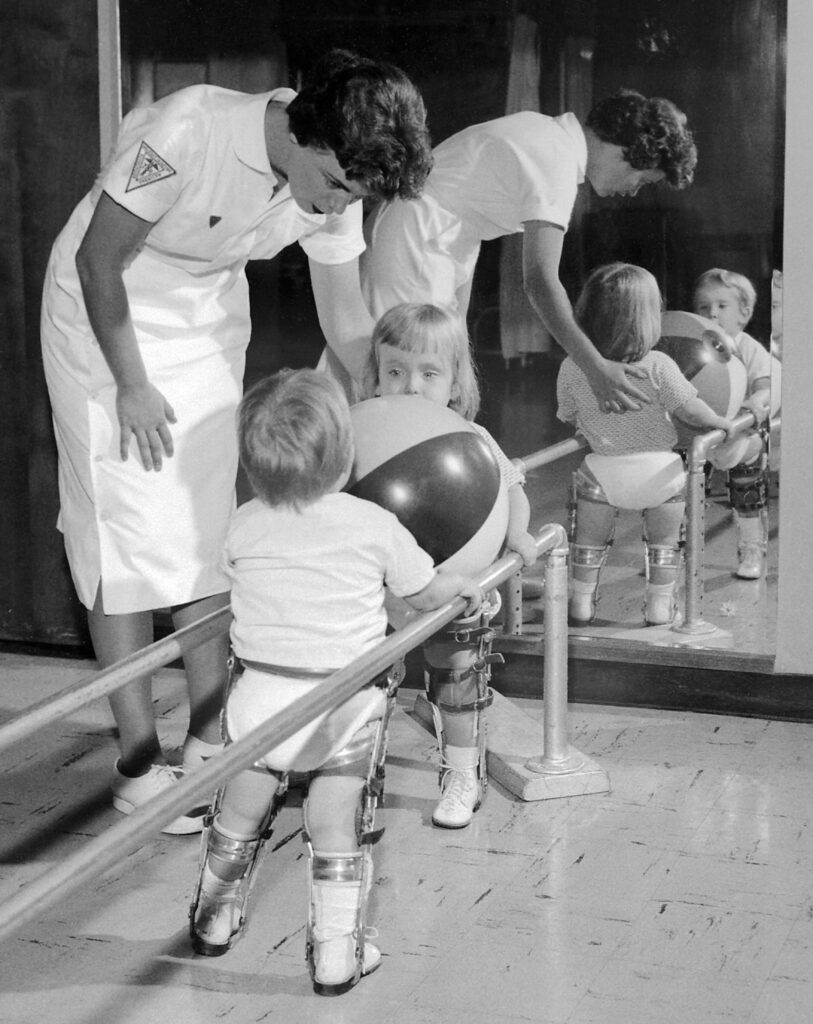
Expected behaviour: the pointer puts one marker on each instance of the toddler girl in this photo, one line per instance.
(631, 464)
(308, 565)
(421, 349)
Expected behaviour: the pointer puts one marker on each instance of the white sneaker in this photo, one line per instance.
(131, 793)
(581, 603)
(752, 562)
(660, 606)
(460, 788)
(334, 964)
(217, 915)
(197, 752)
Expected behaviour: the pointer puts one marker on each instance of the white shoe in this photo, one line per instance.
(197, 752)
(752, 562)
(335, 910)
(660, 606)
(752, 537)
(128, 794)
(217, 916)
(581, 604)
(460, 788)
(334, 964)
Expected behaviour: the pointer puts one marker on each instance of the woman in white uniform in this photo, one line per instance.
(145, 323)
(520, 173)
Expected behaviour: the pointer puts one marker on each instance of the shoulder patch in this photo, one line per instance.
(149, 167)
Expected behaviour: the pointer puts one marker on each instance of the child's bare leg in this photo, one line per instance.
(662, 539)
(594, 526)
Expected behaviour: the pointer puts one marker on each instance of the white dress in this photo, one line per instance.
(486, 182)
(194, 165)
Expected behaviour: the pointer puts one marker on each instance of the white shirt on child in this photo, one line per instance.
(308, 586)
(647, 429)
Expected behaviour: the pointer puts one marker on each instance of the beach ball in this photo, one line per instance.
(705, 356)
(426, 464)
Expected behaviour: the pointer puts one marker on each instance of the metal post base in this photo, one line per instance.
(514, 740)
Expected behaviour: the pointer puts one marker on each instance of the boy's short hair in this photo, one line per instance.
(372, 117)
(295, 436)
(652, 133)
(619, 309)
(739, 283)
(424, 327)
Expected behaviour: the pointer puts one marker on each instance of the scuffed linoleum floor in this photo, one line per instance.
(683, 896)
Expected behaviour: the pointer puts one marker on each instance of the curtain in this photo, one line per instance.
(520, 328)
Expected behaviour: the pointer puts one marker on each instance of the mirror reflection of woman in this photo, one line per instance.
(520, 173)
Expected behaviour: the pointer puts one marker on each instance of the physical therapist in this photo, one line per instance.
(145, 323)
(520, 173)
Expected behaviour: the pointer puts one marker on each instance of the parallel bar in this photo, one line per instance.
(696, 524)
(131, 833)
(550, 454)
(101, 684)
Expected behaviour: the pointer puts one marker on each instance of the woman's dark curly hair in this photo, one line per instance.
(652, 133)
(372, 117)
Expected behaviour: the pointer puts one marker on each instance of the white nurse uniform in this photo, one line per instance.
(195, 165)
(486, 182)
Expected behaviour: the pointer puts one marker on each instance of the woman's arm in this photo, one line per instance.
(113, 239)
(541, 255)
(343, 316)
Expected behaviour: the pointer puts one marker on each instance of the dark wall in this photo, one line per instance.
(49, 154)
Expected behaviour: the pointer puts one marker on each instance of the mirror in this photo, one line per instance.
(721, 62)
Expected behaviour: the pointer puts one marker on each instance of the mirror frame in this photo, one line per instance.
(794, 634)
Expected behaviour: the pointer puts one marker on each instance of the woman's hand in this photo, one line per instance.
(144, 414)
(613, 388)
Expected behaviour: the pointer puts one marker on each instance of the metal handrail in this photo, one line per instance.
(697, 457)
(696, 519)
(131, 833)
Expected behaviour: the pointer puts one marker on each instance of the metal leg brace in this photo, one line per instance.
(340, 883)
(228, 867)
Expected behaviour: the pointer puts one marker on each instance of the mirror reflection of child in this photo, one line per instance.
(632, 463)
(423, 350)
(728, 298)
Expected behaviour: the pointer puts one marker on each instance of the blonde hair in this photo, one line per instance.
(738, 283)
(619, 310)
(295, 437)
(423, 327)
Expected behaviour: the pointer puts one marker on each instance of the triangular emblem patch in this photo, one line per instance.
(149, 167)
(214, 220)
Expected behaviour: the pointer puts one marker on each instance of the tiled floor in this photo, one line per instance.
(683, 895)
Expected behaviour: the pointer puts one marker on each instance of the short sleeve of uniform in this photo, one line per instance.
(547, 166)
(409, 568)
(156, 148)
(673, 388)
(339, 239)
